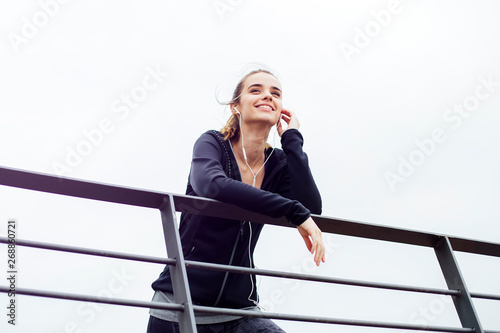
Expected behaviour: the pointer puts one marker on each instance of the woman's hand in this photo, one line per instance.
(290, 118)
(312, 237)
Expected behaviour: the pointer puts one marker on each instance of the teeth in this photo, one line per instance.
(266, 107)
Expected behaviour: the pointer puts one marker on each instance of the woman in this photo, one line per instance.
(235, 165)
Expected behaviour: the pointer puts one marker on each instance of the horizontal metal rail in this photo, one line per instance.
(88, 251)
(235, 312)
(208, 207)
(485, 296)
(232, 269)
(203, 206)
(324, 279)
(93, 299)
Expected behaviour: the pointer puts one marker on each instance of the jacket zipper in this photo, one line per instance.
(240, 233)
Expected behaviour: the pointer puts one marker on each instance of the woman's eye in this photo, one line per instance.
(254, 90)
(277, 94)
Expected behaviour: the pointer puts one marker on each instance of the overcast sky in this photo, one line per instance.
(399, 107)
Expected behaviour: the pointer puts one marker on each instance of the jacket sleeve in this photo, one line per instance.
(302, 186)
(208, 179)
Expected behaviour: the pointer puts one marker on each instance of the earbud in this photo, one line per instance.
(238, 112)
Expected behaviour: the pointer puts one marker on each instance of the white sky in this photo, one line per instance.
(364, 101)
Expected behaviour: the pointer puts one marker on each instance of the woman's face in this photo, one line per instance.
(260, 100)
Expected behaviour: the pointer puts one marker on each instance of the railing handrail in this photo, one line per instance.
(169, 203)
(204, 206)
(233, 269)
(270, 315)
(237, 312)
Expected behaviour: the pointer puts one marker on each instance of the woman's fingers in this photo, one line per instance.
(285, 116)
(290, 118)
(318, 248)
(313, 239)
(308, 242)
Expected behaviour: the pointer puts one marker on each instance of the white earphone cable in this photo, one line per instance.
(254, 174)
(256, 302)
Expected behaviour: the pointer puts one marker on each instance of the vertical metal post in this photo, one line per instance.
(178, 272)
(454, 279)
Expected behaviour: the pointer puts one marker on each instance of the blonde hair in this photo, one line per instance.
(232, 127)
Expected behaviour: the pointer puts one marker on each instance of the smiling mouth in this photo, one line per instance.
(265, 107)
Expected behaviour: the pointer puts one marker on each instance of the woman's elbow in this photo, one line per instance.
(314, 202)
(211, 188)
(316, 208)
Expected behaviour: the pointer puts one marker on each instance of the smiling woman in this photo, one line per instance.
(232, 127)
(235, 165)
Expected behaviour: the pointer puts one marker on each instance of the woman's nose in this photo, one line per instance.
(267, 95)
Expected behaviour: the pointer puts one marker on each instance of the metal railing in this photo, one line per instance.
(168, 204)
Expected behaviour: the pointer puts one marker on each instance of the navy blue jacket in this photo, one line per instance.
(288, 189)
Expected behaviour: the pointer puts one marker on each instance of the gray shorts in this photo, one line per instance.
(242, 325)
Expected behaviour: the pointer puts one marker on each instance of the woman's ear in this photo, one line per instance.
(234, 109)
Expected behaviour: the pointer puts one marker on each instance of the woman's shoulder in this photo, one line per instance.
(211, 135)
(279, 155)
(213, 138)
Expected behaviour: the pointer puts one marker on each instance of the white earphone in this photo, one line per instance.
(256, 302)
